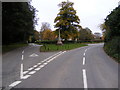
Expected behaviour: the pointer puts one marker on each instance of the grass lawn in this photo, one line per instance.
(54, 47)
(7, 48)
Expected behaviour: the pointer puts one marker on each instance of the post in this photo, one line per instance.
(59, 42)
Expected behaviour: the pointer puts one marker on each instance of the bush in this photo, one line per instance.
(112, 48)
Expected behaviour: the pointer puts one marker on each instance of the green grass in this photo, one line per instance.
(7, 48)
(54, 47)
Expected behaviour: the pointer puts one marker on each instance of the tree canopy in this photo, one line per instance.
(112, 24)
(67, 21)
(18, 21)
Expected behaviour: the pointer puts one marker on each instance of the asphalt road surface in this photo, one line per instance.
(85, 67)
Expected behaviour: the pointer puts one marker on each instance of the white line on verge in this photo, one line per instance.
(14, 83)
(83, 60)
(85, 79)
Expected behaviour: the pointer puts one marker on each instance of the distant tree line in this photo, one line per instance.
(111, 31)
(18, 20)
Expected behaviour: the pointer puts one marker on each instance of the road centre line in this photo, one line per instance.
(22, 57)
(83, 60)
(84, 53)
(22, 51)
(85, 80)
(86, 50)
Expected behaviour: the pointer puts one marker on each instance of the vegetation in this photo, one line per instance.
(7, 48)
(67, 21)
(18, 22)
(54, 47)
(111, 30)
(85, 34)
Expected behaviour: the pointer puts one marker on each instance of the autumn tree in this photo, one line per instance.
(46, 33)
(67, 21)
(45, 26)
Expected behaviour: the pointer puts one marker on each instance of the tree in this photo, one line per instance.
(111, 28)
(112, 22)
(45, 26)
(67, 21)
(85, 34)
(18, 21)
(48, 35)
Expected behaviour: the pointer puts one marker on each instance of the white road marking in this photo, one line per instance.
(25, 72)
(45, 63)
(26, 76)
(51, 57)
(37, 69)
(32, 72)
(42, 66)
(30, 68)
(85, 79)
(33, 55)
(14, 83)
(23, 51)
(22, 57)
(86, 50)
(84, 53)
(48, 61)
(38, 63)
(21, 71)
(35, 65)
(83, 60)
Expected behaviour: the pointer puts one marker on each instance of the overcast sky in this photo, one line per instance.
(91, 12)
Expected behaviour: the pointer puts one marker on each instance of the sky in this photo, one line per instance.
(91, 12)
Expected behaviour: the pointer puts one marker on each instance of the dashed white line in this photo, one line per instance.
(14, 83)
(25, 72)
(22, 57)
(84, 54)
(32, 72)
(26, 76)
(37, 69)
(35, 65)
(45, 63)
(86, 50)
(23, 51)
(85, 79)
(42, 66)
(83, 60)
(30, 68)
(38, 63)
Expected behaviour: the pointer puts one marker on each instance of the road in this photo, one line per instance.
(85, 67)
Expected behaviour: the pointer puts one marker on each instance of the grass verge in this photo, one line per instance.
(7, 48)
(54, 47)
